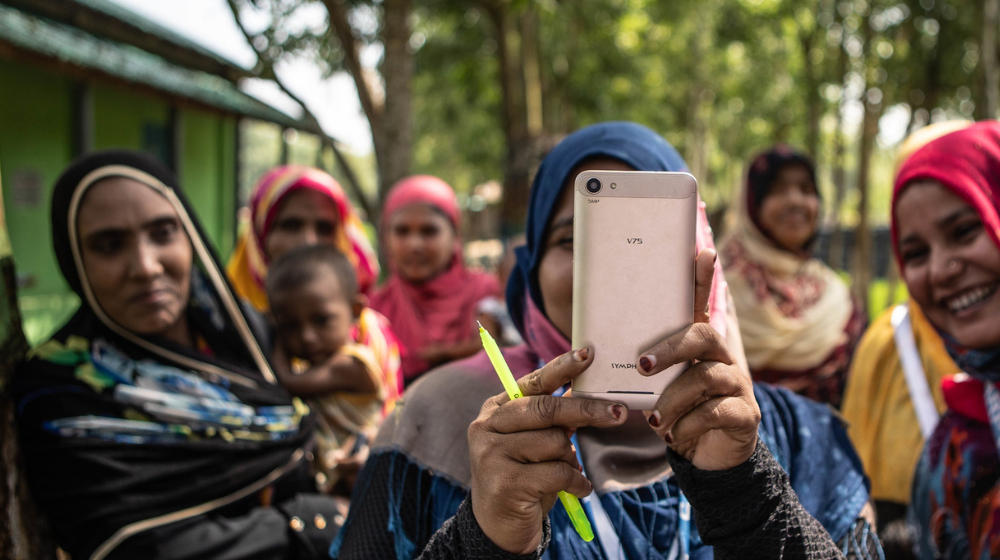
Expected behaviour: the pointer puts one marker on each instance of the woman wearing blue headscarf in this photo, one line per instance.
(768, 474)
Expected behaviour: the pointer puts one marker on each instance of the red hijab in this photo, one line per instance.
(967, 163)
(442, 310)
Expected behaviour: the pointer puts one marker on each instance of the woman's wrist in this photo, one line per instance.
(477, 541)
(735, 500)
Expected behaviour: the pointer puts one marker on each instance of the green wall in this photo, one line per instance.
(125, 119)
(208, 170)
(36, 140)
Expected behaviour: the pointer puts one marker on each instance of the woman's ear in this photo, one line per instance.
(359, 305)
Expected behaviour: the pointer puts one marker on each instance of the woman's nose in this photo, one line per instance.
(945, 267)
(309, 235)
(146, 261)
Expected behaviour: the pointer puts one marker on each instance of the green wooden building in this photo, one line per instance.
(82, 75)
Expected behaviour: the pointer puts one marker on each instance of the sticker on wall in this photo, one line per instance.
(26, 188)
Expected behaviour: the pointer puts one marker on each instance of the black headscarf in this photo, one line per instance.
(764, 172)
(119, 428)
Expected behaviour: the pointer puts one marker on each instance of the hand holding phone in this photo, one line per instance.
(709, 414)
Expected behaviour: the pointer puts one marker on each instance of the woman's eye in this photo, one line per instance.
(164, 234)
(911, 255)
(968, 231)
(324, 229)
(106, 246)
(430, 231)
(290, 225)
(322, 320)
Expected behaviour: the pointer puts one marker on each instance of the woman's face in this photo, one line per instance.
(555, 271)
(305, 217)
(136, 256)
(788, 213)
(421, 242)
(950, 263)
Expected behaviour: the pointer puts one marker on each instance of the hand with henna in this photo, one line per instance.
(708, 414)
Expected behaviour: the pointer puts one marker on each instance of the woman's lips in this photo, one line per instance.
(153, 297)
(967, 301)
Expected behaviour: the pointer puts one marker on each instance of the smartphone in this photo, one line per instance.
(633, 277)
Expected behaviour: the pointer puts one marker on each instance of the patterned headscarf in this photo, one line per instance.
(248, 266)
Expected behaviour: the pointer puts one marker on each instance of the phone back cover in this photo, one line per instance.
(633, 278)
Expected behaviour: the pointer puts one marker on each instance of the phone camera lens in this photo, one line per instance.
(593, 185)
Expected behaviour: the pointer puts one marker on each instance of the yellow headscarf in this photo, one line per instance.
(882, 420)
(247, 267)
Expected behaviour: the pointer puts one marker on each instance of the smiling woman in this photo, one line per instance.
(798, 320)
(946, 235)
(432, 300)
(950, 264)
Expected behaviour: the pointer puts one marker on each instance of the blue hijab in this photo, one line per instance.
(630, 143)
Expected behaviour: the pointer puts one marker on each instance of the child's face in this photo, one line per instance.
(315, 321)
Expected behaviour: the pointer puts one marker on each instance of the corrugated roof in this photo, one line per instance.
(76, 47)
(118, 12)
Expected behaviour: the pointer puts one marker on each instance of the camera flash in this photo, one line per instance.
(614, 185)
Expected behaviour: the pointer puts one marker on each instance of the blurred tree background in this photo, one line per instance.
(477, 91)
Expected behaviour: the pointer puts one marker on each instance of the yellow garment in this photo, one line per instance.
(882, 421)
(243, 283)
(342, 415)
(247, 267)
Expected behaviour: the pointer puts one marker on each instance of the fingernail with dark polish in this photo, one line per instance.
(669, 438)
(646, 363)
(654, 419)
(617, 411)
(582, 354)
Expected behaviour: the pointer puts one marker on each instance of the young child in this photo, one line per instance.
(323, 354)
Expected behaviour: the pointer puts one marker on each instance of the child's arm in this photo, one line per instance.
(339, 373)
(437, 354)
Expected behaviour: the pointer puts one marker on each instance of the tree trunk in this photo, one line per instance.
(988, 54)
(24, 533)
(836, 257)
(696, 147)
(862, 262)
(814, 103)
(397, 73)
(532, 66)
(517, 164)
(391, 115)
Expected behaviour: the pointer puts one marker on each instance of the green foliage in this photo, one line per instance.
(457, 99)
(720, 79)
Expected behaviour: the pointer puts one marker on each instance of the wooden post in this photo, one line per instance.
(83, 119)
(23, 532)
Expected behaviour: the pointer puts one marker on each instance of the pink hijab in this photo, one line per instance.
(442, 310)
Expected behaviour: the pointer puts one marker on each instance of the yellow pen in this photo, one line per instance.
(570, 502)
